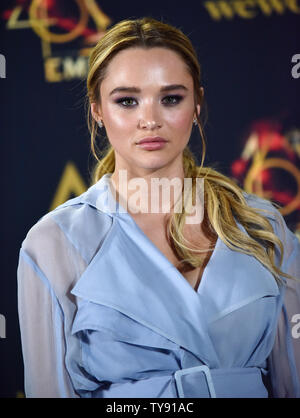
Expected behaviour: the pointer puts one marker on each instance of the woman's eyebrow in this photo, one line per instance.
(174, 87)
(137, 90)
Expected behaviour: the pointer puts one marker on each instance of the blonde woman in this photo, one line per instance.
(120, 302)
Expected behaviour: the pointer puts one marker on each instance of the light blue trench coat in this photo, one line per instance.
(103, 313)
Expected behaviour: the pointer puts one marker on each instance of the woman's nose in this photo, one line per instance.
(149, 124)
(148, 119)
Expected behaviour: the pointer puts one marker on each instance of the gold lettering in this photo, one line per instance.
(52, 73)
(293, 6)
(74, 69)
(14, 22)
(86, 8)
(70, 183)
(265, 7)
(242, 8)
(101, 19)
(219, 9)
(38, 7)
(277, 6)
(253, 183)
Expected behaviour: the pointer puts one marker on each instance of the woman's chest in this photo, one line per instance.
(197, 240)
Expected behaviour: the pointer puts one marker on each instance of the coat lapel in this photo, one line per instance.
(131, 275)
(232, 280)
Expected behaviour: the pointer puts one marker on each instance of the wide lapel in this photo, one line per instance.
(131, 275)
(232, 280)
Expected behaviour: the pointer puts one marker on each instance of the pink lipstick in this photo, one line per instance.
(152, 143)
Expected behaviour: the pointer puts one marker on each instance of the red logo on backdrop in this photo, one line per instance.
(269, 167)
(67, 30)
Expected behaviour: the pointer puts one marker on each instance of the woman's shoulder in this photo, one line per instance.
(272, 212)
(260, 203)
(62, 243)
(269, 210)
(76, 222)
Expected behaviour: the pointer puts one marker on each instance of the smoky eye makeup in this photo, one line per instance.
(128, 100)
(169, 100)
(172, 100)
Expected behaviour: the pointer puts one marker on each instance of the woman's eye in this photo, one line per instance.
(126, 101)
(172, 100)
(168, 101)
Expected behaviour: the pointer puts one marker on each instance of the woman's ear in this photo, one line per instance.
(96, 111)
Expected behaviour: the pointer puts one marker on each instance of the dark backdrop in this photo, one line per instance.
(245, 48)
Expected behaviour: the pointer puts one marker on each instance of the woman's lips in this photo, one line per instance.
(152, 143)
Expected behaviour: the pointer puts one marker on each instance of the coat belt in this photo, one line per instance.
(202, 382)
(193, 382)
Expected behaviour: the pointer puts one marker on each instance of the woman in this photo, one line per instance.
(116, 302)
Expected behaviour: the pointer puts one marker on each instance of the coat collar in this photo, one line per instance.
(131, 275)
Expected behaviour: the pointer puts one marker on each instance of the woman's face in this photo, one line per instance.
(147, 93)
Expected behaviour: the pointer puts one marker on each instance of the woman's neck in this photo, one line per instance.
(154, 192)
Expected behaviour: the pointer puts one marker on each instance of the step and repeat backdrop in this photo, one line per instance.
(250, 56)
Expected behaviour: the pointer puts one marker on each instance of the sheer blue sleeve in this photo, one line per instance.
(284, 360)
(48, 266)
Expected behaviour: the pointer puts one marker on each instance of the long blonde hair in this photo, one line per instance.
(225, 202)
